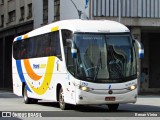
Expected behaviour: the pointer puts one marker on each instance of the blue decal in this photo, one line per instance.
(28, 88)
(109, 87)
(19, 38)
(35, 66)
(74, 53)
(57, 65)
(20, 73)
(141, 55)
(19, 69)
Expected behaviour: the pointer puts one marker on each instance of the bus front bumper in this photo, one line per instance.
(90, 98)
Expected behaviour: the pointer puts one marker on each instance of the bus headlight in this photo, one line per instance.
(132, 87)
(84, 88)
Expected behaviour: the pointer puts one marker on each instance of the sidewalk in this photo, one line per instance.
(149, 93)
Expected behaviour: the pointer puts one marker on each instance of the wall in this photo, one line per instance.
(68, 10)
(50, 11)
(129, 8)
(37, 13)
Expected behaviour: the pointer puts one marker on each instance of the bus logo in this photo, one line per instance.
(39, 66)
(110, 91)
(109, 87)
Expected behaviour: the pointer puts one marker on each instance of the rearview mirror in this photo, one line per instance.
(140, 49)
(71, 44)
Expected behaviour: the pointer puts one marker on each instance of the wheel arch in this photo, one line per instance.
(23, 85)
(57, 91)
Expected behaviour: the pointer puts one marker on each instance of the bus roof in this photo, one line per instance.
(78, 25)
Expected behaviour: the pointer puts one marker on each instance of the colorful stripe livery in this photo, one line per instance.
(33, 76)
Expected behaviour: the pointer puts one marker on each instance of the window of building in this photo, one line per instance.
(22, 14)
(29, 11)
(56, 10)
(12, 16)
(45, 11)
(2, 21)
(1, 2)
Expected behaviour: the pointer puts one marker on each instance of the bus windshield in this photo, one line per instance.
(105, 58)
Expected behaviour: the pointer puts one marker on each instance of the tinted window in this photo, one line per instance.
(38, 46)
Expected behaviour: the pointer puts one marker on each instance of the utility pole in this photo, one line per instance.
(119, 19)
(78, 11)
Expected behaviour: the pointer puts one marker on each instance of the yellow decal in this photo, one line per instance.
(54, 29)
(47, 78)
(25, 36)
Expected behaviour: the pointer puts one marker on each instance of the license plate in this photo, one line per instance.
(110, 98)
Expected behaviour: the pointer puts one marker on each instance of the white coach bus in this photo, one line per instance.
(77, 62)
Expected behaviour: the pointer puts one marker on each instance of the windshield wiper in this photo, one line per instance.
(119, 72)
(99, 64)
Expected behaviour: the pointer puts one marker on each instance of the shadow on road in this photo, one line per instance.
(8, 95)
(104, 108)
(94, 108)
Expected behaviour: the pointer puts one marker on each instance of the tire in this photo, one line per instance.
(113, 107)
(62, 104)
(28, 100)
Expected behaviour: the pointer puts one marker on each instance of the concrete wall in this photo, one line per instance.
(50, 11)
(9, 6)
(37, 13)
(67, 11)
(129, 8)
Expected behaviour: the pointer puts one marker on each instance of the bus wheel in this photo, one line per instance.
(113, 107)
(28, 100)
(62, 104)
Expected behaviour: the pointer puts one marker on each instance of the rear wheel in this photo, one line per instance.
(113, 107)
(62, 104)
(28, 100)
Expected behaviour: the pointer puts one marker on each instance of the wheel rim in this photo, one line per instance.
(25, 95)
(61, 99)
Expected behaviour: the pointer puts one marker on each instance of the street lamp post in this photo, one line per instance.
(78, 11)
(119, 18)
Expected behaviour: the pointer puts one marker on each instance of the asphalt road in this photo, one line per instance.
(146, 106)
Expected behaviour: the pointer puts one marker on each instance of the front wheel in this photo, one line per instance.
(62, 104)
(113, 107)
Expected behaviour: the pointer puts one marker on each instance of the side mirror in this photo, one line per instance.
(140, 49)
(74, 52)
(69, 42)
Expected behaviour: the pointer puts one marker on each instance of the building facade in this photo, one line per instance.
(140, 16)
(16, 18)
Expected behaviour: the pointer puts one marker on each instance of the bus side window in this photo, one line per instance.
(23, 49)
(55, 48)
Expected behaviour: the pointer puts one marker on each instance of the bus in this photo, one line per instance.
(78, 62)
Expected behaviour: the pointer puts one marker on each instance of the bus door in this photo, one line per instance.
(70, 79)
(70, 76)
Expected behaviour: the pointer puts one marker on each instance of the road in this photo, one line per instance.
(147, 104)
